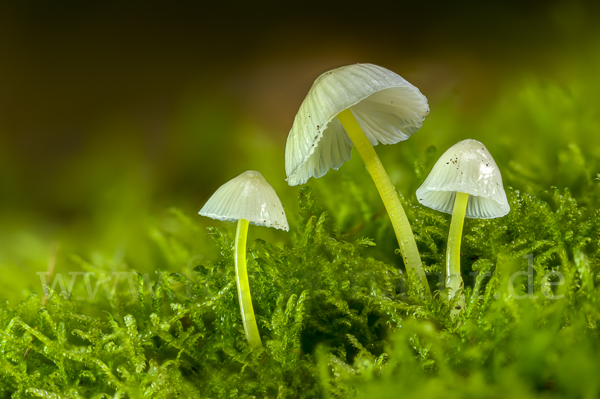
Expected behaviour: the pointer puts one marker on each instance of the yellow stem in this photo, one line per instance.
(389, 196)
(454, 280)
(243, 285)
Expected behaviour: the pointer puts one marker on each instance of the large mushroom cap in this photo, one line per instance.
(247, 196)
(467, 167)
(387, 108)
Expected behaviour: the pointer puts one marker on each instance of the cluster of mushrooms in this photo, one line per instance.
(363, 105)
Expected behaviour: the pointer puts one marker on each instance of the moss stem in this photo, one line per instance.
(389, 196)
(243, 286)
(454, 280)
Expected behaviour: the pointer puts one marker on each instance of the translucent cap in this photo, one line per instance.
(467, 167)
(247, 196)
(387, 108)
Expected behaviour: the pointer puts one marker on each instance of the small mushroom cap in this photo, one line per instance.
(247, 196)
(387, 108)
(467, 167)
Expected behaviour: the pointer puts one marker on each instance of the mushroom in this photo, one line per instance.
(246, 199)
(361, 104)
(464, 182)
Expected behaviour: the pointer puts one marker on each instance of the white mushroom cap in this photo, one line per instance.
(387, 108)
(247, 196)
(467, 167)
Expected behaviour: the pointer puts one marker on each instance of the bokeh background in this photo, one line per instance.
(113, 112)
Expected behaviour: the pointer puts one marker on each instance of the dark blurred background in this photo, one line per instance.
(110, 112)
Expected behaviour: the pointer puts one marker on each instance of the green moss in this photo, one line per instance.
(334, 321)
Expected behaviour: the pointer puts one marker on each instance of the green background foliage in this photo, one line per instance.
(142, 298)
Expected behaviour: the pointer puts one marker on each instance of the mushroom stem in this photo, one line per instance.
(243, 285)
(454, 280)
(388, 194)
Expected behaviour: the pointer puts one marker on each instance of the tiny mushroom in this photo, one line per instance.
(246, 199)
(464, 182)
(360, 105)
